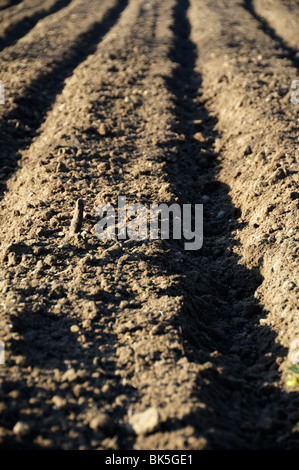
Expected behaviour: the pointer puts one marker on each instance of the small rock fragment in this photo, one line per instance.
(77, 220)
(100, 421)
(145, 422)
(199, 137)
(157, 329)
(59, 402)
(70, 375)
(102, 129)
(74, 328)
(294, 352)
(21, 428)
(89, 311)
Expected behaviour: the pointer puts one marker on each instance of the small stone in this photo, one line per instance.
(123, 304)
(127, 326)
(105, 388)
(21, 428)
(198, 122)
(157, 329)
(90, 310)
(294, 352)
(77, 390)
(20, 360)
(12, 259)
(86, 323)
(125, 354)
(70, 375)
(145, 422)
(199, 137)
(39, 265)
(49, 260)
(102, 129)
(100, 421)
(59, 402)
(74, 328)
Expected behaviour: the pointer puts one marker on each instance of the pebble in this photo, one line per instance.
(145, 422)
(102, 129)
(70, 375)
(100, 421)
(294, 352)
(74, 328)
(198, 122)
(77, 390)
(20, 360)
(157, 329)
(105, 388)
(125, 354)
(21, 428)
(59, 402)
(199, 137)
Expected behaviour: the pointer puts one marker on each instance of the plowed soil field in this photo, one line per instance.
(137, 343)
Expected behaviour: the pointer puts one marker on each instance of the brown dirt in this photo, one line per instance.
(173, 101)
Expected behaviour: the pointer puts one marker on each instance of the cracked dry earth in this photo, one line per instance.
(139, 343)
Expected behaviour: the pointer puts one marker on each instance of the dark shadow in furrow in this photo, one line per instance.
(17, 31)
(32, 106)
(287, 51)
(9, 4)
(220, 325)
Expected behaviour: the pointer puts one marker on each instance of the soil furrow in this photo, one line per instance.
(21, 26)
(282, 17)
(8, 3)
(20, 124)
(287, 50)
(141, 295)
(240, 93)
(130, 316)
